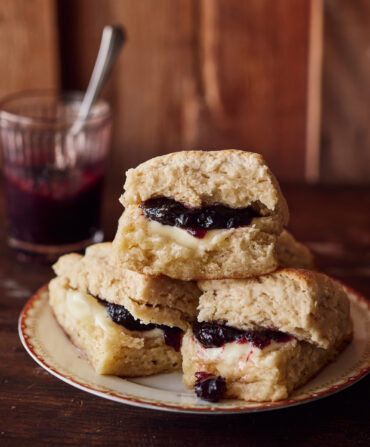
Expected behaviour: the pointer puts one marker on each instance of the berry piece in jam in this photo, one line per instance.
(196, 220)
(120, 315)
(172, 336)
(209, 387)
(213, 335)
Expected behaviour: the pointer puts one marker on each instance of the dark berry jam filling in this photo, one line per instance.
(209, 387)
(196, 220)
(214, 335)
(120, 315)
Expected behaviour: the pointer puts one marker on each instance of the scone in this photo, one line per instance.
(306, 304)
(258, 339)
(201, 215)
(125, 323)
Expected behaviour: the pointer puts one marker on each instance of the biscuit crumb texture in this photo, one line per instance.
(307, 304)
(109, 347)
(270, 374)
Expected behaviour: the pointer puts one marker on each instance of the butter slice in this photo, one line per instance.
(82, 306)
(212, 239)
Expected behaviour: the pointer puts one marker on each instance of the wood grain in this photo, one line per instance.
(346, 92)
(198, 74)
(29, 51)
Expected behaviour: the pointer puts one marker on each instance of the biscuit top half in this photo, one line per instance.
(200, 178)
(307, 304)
(152, 300)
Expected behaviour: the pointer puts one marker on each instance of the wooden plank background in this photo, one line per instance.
(199, 74)
(211, 74)
(29, 45)
(345, 154)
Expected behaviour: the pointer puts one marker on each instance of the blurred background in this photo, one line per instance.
(286, 78)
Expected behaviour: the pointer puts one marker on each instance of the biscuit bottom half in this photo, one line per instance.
(154, 249)
(109, 347)
(254, 374)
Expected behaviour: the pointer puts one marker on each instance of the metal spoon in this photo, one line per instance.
(68, 145)
(112, 39)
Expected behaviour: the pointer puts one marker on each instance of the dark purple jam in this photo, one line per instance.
(214, 335)
(172, 336)
(263, 338)
(50, 206)
(197, 220)
(120, 315)
(209, 387)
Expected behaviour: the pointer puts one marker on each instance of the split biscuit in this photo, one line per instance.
(307, 304)
(204, 184)
(109, 347)
(263, 337)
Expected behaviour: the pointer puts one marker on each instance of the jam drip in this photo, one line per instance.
(215, 335)
(120, 315)
(209, 387)
(196, 220)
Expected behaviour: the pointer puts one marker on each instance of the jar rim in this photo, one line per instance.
(99, 112)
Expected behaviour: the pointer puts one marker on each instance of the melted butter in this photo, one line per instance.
(229, 354)
(236, 354)
(82, 306)
(153, 333)
(212, 239)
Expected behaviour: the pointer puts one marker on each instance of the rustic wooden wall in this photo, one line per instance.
(211, 74)
(29, 56)
(345, 154)
(198, 74)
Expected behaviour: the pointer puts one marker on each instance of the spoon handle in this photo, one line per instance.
(112, 39)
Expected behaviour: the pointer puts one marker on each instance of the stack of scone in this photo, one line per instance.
(201, 248)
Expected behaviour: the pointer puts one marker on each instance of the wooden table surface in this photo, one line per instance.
(38, 409)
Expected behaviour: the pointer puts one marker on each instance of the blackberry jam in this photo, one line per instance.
(209, 387)
(120, 315)
(197, 221)
(214, 335)
(51, 207)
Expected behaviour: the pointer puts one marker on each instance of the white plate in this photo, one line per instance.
(46, 343)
